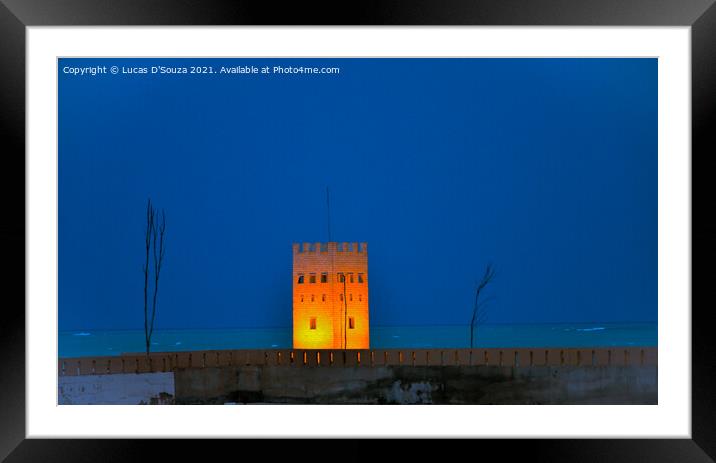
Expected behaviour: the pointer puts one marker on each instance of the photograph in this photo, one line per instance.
(357, 230)
(472, 220)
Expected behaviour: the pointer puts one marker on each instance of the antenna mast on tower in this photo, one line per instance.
(328, 212)
(328, 223)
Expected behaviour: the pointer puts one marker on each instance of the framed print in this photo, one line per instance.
(201, 191)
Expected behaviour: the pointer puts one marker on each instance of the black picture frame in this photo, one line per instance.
(16, 15)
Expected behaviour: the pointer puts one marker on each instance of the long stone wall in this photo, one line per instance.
(170, 361)
(396, 376)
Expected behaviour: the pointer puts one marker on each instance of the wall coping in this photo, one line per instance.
(331, 358)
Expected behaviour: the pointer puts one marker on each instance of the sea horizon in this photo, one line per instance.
(102, 342)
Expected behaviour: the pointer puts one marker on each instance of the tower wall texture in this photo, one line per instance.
(320, 296)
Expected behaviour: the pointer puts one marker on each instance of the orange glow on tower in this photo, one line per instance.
(330, 296)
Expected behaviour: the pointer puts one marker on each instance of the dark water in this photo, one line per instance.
(94, 343)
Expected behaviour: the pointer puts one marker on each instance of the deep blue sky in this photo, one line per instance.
(545, 167)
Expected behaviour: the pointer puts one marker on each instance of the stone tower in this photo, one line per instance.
(330, 296)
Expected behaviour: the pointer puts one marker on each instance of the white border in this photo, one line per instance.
(671, 418)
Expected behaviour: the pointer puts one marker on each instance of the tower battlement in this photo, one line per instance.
(331, 246)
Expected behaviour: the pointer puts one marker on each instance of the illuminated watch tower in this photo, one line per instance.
(330, 296)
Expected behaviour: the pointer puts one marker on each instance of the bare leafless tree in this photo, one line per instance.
(156, 228)
(145, 268)
(479, 313)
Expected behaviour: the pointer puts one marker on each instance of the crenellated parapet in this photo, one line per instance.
(331, 246)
